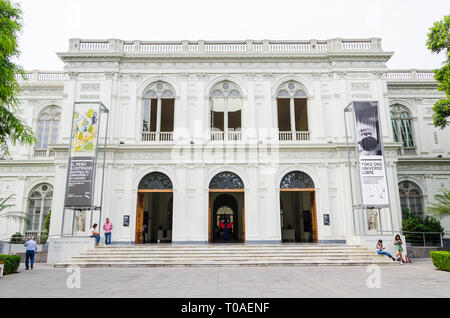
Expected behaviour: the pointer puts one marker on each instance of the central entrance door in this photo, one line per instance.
(154, 213)
(226, 209)
(298, 208)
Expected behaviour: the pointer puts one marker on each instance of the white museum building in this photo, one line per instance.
(246, 136)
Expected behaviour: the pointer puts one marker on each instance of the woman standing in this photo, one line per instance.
(398, 248)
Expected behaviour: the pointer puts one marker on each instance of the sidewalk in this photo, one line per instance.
(419, 279)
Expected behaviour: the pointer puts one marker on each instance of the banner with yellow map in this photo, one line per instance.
(85, 129)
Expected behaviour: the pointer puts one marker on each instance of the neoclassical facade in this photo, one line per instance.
(216, 141)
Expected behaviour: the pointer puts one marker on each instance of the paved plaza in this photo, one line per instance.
(419, 279)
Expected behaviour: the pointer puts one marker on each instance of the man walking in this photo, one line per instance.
(107, 227)
(31, 248)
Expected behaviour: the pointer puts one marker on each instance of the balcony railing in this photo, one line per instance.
(293, 136)
(407, 151)
(157, 136)
(44, 153)
(230, 136)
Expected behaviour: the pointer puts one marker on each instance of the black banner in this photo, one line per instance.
(79, 184)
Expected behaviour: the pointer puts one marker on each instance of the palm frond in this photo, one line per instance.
(441, 206)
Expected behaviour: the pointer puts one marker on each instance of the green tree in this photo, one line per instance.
(440, 208)
(439, 41)
(11, 128)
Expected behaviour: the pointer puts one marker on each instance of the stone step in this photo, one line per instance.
(225, 263)
(226, 254)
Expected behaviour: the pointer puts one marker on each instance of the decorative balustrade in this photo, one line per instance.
(401, 75)
(41, 76)
(356, 45)
(293, 136)
(157, 136)
(217, 136)
(161, 47)
(94, 46)
(44, 153)
(248, 46)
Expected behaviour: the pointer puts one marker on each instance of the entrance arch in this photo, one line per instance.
(298, 208)
(226, 205)
(154, 210)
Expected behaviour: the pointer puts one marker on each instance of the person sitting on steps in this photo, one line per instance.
(380, 249)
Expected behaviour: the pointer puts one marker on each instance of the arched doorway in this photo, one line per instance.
(298, 208)
(154, 209)
(226, 209)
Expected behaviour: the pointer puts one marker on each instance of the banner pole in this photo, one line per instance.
(349, 169)
(359, 173)
(68, 169)
(103, 170)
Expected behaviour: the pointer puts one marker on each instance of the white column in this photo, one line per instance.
(292, 115)
(225, 120)
(158, 119)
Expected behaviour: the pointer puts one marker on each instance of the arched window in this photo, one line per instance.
(39, 205)
(47, 129)
(411, 198)
(158, 112)
(292, 112)
(226, 111)
(402, 126)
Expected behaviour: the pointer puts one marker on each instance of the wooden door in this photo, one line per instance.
(314, 217)
(139, 218)
(243, 217)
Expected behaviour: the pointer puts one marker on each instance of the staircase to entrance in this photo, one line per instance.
(226, 255)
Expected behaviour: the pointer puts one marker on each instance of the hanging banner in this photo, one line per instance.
(370, 155)
(82, 156)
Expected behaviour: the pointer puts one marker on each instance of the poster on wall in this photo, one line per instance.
(370, 155)
(82, 155)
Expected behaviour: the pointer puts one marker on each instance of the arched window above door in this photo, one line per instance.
(155, 181)
(296, 180)
(226, 180)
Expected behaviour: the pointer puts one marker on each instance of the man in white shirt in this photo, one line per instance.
(31, 248)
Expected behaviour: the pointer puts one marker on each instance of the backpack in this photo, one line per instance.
(407, 260)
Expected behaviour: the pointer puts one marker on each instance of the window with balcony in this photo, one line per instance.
(292, 112)
(402, 128)
(226, 111)
(39, 205)
(47, 130)
(158, 112)
(411, 198)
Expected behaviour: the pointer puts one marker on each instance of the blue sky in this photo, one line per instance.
(402, 25)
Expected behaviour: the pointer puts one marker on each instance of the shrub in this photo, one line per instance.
(413, 223)
(441, 260)
(11, 262)
(17, 238)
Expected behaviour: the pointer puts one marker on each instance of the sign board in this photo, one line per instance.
(369, 147)
(82, 156)
(126, 220)
(326, 219)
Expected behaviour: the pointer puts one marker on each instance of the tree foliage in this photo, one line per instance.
(439, 41)
(11, 128)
